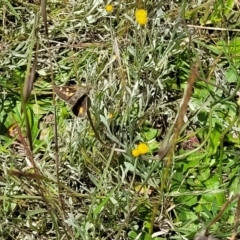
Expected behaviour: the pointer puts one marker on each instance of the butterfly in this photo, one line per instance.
(76, 97)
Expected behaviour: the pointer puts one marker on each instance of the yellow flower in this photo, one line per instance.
(141, 16)
(110, 116)
(135, 152)
(142, 148)
(109, 8)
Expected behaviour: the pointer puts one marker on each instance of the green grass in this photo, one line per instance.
(82, 181)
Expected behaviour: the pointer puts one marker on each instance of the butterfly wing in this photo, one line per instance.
(77, 97)
(65, 93)
(79, 93)
(80, 108)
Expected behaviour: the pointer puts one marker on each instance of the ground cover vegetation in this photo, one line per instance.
(119, 120)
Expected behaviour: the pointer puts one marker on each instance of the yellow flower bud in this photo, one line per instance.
(135, 152)
(109, 8)
(141, 16)
(142, 148)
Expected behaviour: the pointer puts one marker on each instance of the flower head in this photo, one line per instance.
(109, 8)
(141, 16)
(135, 152)
(110, 116)
(142, 148)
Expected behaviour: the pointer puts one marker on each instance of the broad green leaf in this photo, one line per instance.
(132, 235)
(228, 6)
(187, 200)
(204, 175)
(193, 160)
(215, 139)
(150, 133)
(194, 182)
(177, 181)
(213, 184)
(185, 214)
(231, 75)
